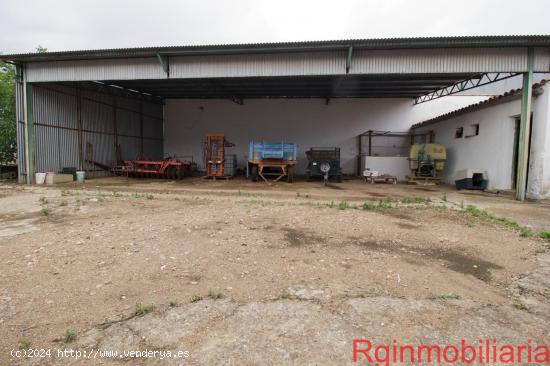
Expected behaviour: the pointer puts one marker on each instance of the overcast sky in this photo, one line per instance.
(88, 24)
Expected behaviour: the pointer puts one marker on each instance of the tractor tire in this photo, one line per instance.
(254, 173)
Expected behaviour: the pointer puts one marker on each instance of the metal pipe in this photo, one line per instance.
(26, 125)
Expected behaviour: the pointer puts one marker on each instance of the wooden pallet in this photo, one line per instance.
(384, 178)
(413, 179)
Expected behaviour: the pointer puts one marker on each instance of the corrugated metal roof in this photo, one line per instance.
(377, 43)
(473, 107)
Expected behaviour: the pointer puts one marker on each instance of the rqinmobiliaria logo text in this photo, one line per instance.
(484, 351)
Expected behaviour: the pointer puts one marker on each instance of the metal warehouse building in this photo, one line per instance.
(118, 104)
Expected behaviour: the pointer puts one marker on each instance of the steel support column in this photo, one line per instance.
(29, 130)
(79, 126)
(525, 128)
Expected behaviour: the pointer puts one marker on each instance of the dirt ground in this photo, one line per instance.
(300, 269)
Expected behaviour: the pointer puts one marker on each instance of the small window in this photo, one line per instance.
(459, 132)
(473, 130)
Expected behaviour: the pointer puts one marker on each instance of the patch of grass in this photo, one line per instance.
(63, 203)
(444, 198)
(196, 298)
(414, 200)
(137, 195)
(116, 194)
(545, 234)
(331, 204)
(449, 296)
(69, 335)
(214, 295)
(540, 251)
(520, 306)
(172, 303)
(45, 211)
(525, 233)
(141, 309)
(150, 197)
(24, 344)
(43, 200)
(484, 215)
(343, 205)
(369, 206)
(381, 205)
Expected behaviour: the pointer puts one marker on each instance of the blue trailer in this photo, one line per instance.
(271, 159)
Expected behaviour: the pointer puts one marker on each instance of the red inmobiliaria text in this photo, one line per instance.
(484, 351)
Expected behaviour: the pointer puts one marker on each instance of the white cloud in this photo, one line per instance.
(68, 24)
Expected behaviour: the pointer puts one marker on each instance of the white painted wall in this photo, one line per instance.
(539, 163)
(493, 149)
(307, 122)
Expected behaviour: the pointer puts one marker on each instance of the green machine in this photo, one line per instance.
(426, 160)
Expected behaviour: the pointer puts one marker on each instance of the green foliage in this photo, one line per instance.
(24, 344)
(69, 335)
(142, 309)
(414, 200)
(545, 234)
(484, 215)
(7, 113)
(196, 298)
(381, 205)
(525, 233)
(214, 295)
(343, 205)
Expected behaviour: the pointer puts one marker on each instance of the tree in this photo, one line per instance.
(8, 147)
(8, 125)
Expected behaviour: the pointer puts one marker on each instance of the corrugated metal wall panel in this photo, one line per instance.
(153, 149)
(440, 61)
(542, 59)
(99, 147)
(397, 61)
(57, 129)
(130, 147)
(97, 117)
(111, 69)
(279, 64)
(151, 127)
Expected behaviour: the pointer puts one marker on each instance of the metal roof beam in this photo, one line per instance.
(474, 82)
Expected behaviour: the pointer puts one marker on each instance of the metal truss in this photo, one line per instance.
(474, 82)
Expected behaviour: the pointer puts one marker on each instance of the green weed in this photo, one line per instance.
(141, 309)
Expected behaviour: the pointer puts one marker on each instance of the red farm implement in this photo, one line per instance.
(168, 169)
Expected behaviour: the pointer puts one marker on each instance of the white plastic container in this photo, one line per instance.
(80, 176)
(40, 178)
